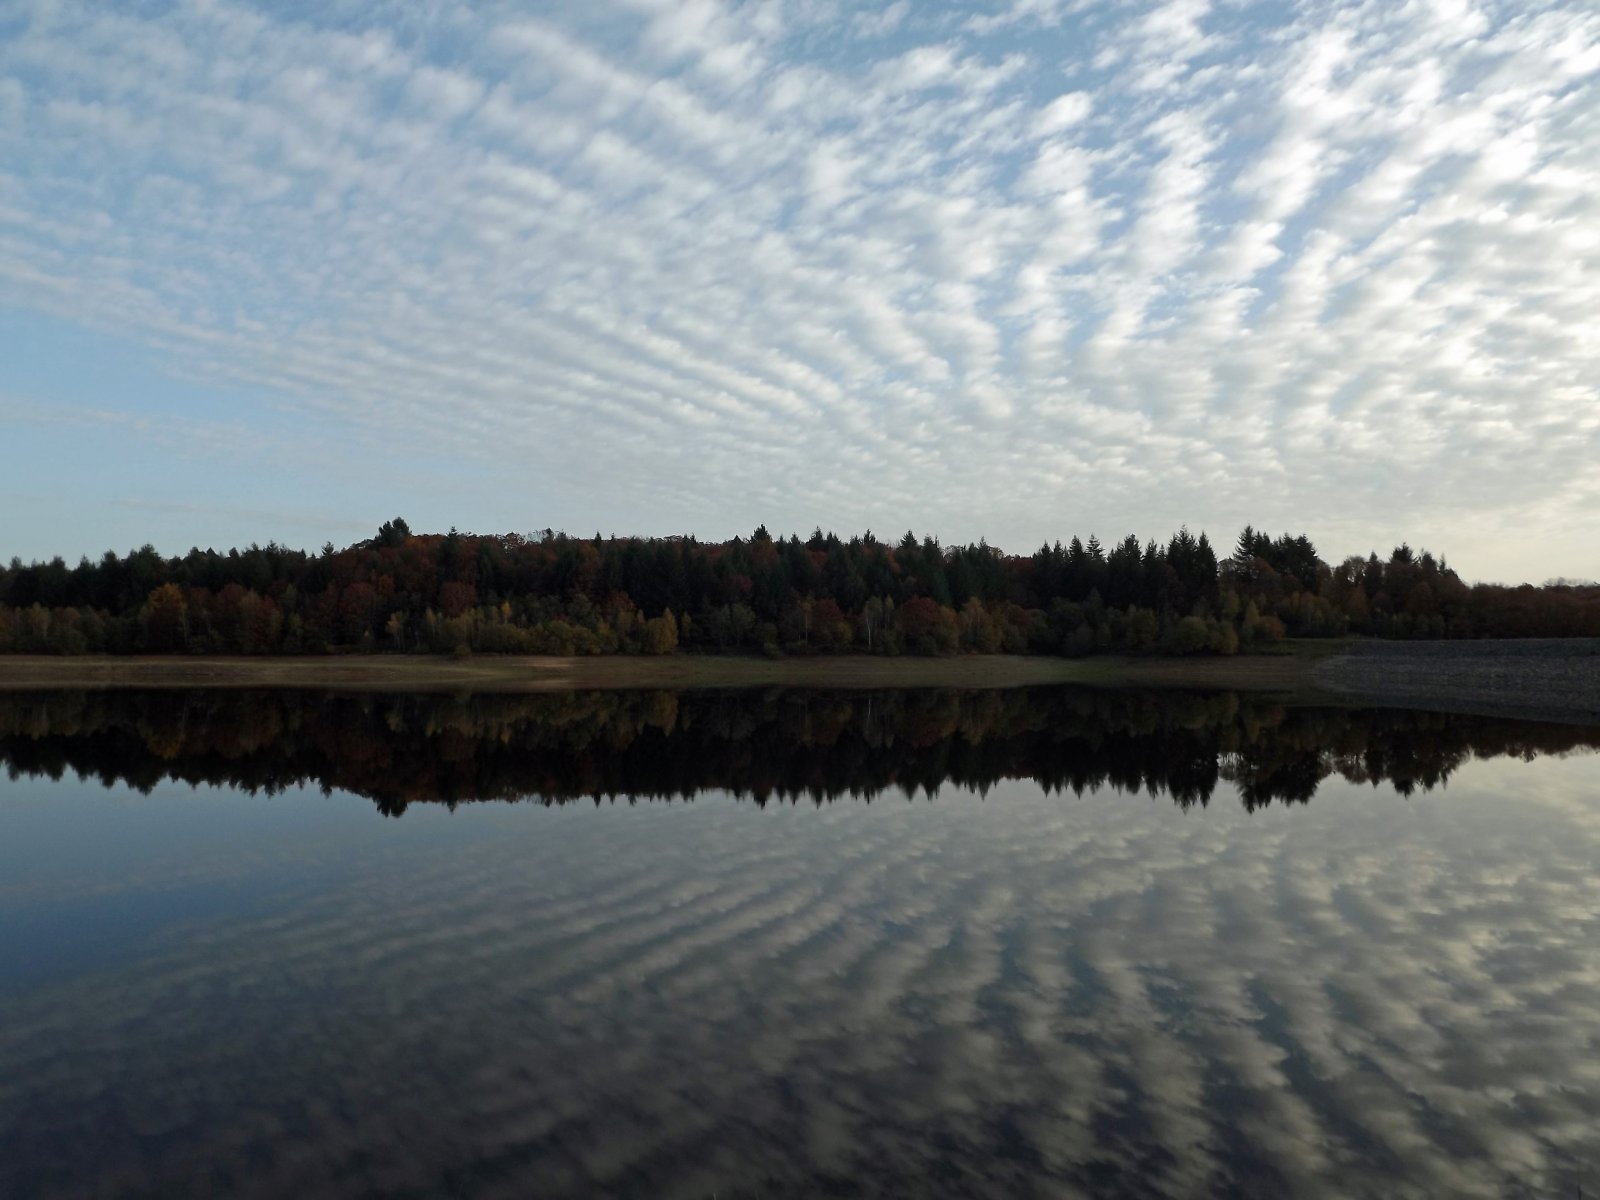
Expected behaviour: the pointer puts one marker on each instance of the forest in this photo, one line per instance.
(549, 593)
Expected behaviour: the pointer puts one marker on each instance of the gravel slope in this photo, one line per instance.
(1536, 678)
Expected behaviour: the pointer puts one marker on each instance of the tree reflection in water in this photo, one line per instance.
(766, 746)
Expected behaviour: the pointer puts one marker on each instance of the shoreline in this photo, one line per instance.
(1528, 679)
(1533, 679)
(1286, 672)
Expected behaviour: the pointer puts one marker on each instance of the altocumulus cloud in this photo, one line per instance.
(1012, 270)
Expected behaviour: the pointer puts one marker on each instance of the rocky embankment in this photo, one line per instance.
(1550, 679)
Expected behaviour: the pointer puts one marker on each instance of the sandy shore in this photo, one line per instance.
(1532, 679)
(384, 672)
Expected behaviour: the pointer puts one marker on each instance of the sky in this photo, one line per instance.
(1015, 269)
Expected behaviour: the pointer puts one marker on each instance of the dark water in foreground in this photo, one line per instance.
(1024, 943)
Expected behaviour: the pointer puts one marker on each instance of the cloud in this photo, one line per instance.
(1065, 111)
(1349, 245)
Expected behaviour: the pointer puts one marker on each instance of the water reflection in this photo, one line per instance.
(1042, 994)
(402, 749)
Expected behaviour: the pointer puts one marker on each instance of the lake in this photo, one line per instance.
(1038, 942)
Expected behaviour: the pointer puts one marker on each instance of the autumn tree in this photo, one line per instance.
(164, 619)
(660, 634)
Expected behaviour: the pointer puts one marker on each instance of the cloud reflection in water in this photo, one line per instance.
(1023, 994)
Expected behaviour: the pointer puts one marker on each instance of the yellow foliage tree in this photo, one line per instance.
(660, 634)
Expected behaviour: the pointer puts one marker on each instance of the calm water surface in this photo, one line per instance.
(1030, 943)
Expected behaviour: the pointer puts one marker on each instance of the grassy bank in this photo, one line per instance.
(1290, 671)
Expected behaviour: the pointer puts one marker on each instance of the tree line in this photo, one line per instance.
(551, 593)
(765, 746)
